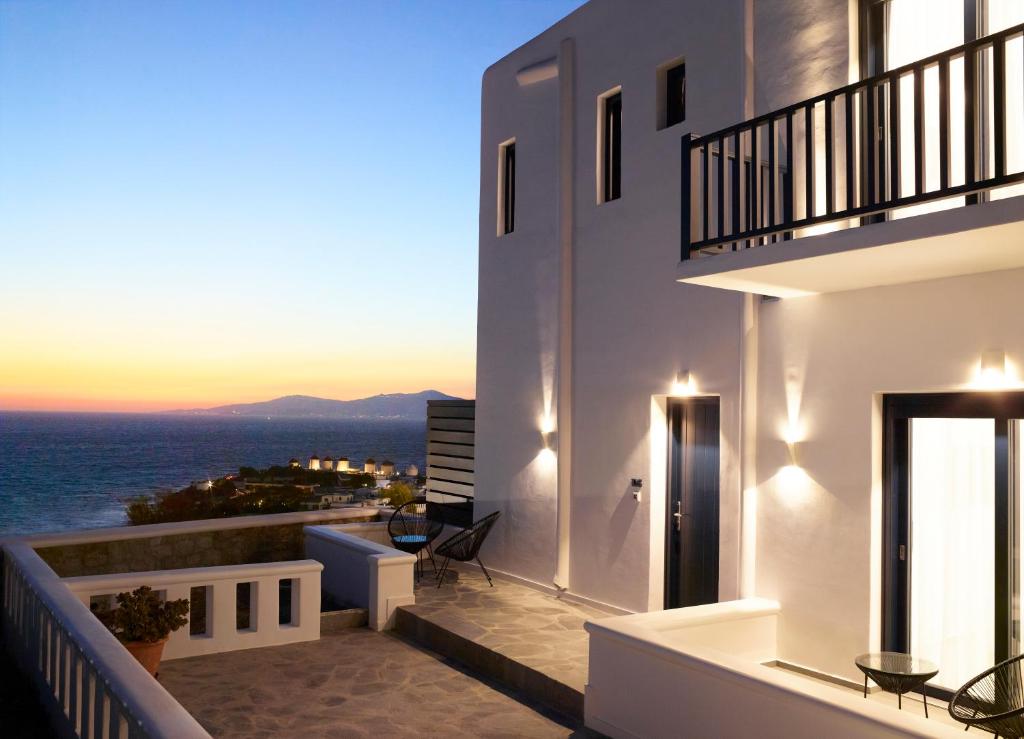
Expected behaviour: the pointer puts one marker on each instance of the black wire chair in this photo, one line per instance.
(465, 546)
(414, 533)
(993, 701)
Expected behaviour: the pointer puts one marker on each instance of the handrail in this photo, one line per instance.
(177, 528)
(927, 61)
(90, 685)
(736, 196)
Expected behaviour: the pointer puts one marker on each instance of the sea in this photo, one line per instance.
(64, 471)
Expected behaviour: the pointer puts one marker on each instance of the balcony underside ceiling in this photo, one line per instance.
(960, 241)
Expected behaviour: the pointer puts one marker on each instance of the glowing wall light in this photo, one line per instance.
(684, 385)
(549, 441)
(995, 372)
(993, 367)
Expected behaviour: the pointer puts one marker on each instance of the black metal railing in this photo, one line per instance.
(854, 152)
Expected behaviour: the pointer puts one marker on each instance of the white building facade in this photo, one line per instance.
(811, 399)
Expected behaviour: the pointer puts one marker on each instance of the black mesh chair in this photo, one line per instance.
(465, 546)
(414, 533)
(993, 701)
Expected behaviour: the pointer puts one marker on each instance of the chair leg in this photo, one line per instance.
(444, 569)
(486, 573)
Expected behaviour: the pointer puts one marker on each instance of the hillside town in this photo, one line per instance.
(322, 484)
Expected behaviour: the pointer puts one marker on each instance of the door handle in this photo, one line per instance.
(678, 515)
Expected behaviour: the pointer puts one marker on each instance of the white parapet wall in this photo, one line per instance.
(361, 571)
(179, 528)
(702, 671)
(221, 633)
(89, 684)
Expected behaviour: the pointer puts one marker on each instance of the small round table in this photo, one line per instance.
(895, 672)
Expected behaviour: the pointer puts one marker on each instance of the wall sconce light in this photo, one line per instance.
(994, 371)
(993, 365)
(684, 384)
(794, 453)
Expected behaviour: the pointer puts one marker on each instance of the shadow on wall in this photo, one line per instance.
(620, 523)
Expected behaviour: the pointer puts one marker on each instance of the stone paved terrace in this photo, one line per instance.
(352, 683)
(527, 626)
(355, 682)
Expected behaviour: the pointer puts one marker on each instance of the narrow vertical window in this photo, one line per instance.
(611, 148)
(507, 188)
(675, 95)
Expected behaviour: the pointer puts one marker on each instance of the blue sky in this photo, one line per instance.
(205, 201)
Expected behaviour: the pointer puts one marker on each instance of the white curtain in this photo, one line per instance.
(952, 568)
(1002, 14)
(916, 29)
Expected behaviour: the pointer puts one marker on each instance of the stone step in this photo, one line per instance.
(527, 682)
(347, 618)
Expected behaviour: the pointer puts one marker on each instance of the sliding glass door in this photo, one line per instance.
(953, 522)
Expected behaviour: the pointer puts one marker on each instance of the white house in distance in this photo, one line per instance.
(750, 277)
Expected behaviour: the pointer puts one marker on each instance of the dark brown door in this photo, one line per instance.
(692, 541)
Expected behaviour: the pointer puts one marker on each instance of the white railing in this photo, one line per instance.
(359, 571)
(89, 684)
(266, 625)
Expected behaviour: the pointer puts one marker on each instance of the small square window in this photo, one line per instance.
(671, 93)
(507, 188)
(610, 176)
(675, 95)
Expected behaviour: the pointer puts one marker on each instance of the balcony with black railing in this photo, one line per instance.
(926, 139)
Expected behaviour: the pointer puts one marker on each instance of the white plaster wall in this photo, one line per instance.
(634, 328)
(826, 36)
(517, 320)
(824, 360)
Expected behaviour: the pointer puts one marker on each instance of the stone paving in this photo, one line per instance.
(351, 683)
(535, 629)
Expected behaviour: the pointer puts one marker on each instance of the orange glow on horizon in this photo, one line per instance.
(152, 384)
(147, 352)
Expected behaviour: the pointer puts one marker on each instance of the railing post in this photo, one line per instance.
(999, 105)
(685, 175)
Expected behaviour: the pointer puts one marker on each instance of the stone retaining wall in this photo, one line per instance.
(234, 546)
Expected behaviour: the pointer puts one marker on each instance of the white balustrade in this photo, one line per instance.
(360, 571)
(264, 625)
(88, 683)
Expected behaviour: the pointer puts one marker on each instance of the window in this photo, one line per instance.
(675, 95)
(507, 188)
(611, 147)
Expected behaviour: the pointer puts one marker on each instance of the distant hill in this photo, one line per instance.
(396, 405)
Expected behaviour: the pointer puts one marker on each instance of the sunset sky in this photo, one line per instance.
(212, 202)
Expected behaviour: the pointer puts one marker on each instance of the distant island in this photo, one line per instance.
(411, 406)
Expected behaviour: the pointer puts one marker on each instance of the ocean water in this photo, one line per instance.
(62, 471)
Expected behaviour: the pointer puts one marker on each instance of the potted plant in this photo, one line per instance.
(142, 622)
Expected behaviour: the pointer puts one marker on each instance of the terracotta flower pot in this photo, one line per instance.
(147, 653)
